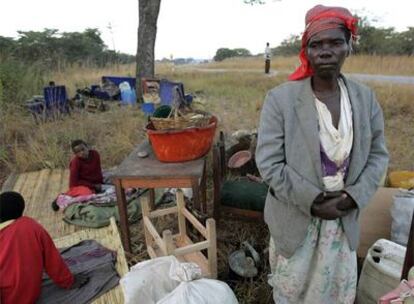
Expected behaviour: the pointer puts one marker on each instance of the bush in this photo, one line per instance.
(224, 53)
(18, 82)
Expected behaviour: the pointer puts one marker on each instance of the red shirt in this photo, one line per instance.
(26, 249)
(86, 172)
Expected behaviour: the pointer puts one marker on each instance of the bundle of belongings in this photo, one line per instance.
(165, 280)
(401, 213)
(88, 258)
(388, 261)
(94, 210)
(403, 294)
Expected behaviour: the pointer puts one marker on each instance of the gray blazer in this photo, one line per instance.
(288, 158)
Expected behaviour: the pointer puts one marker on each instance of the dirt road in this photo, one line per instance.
(361, 77)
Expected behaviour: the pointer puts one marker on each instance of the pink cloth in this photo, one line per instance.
(397, 295)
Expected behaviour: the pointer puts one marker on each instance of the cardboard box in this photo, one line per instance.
(375, 219)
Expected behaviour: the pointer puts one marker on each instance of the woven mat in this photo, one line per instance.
(39, 189)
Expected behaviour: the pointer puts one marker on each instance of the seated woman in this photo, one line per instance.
(26, 250)
(85, 170)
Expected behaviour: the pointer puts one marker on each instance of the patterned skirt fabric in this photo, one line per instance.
(322, 271)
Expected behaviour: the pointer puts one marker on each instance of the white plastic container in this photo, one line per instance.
(381, 271)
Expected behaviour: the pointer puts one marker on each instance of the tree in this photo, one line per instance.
(148, 11)
(407, 41)
(224, 53)
(289, 46)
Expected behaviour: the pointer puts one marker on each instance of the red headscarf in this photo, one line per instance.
(318, 19)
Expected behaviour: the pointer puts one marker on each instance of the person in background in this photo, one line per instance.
(26, 251)
(321, 150)
(267, 56)
(85, 170)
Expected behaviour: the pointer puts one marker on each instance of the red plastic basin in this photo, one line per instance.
(182, 145)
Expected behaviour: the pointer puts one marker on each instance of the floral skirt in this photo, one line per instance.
(322, 271)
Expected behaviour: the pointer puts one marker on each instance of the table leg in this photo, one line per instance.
(151, 199)
(196, 193)
(203, 188)
(123, 215)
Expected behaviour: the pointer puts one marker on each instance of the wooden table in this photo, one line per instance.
(149, 172)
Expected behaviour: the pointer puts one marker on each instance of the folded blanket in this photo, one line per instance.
(90, 258)
(108, 196)
(98, 215)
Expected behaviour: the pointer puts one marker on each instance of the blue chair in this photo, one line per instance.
(167, 91)
(56, 101)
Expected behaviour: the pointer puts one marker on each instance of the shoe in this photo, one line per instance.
(55, 206)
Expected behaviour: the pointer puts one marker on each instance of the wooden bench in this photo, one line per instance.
(180, 245)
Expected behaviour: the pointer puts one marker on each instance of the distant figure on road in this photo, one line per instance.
(267, 56)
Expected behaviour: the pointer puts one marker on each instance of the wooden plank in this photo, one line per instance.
(212, 248)
(181, 218)
(54, 224)
(20, 182)
(27, 191)
(192, 219)
(64, 183)
(157, 182)
(162, 212)
(145, 213)
(168, 242)
(151, 252)
(191, 248)
(36, 198)
(150, 166)
(154, 233)
(195, 257)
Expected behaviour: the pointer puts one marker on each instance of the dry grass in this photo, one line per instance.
(235, 97)
(32, 147)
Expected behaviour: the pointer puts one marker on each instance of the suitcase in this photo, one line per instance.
(381, 271)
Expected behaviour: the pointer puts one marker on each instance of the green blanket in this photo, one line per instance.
(244, 194)
(97, 216)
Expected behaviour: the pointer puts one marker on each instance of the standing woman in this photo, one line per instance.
(321, 150)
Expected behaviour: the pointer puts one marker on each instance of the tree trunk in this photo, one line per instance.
(147, 32)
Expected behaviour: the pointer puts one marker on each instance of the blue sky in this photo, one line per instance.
(190, 28)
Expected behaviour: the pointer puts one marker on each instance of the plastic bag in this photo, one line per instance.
(148, 282)
(193, 290)
(203, 291)
(167, 281)
(128, 95)
(124, 86)
(401, 213)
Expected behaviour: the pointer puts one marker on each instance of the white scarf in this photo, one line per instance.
(337, 143)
